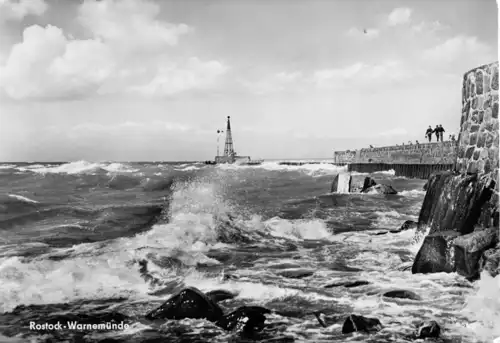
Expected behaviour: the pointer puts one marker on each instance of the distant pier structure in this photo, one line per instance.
(229, 155)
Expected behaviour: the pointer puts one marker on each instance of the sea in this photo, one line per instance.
(73, 235)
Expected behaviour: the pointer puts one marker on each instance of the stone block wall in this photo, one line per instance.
(478, 138)
(424, 153)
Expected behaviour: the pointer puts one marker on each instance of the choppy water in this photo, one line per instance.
(71, 235)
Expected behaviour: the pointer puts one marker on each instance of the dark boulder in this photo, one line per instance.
(298, 273)
(380, 189)
(188, 303)
(369, 182)
(402, 294)
(435, 255)
(220, 295)
(355, 323)
(452, 207)
(429, 329)
(454, 202)
(192, 303)
(245, 319)
(470, 248)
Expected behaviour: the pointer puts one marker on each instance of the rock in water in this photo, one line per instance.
(402, 294)
(348, 284)
(380, 189)
(355, 323)
(298, 273)
(435, 255)
(428, 330)
(341, 183)
(469, 250)
(188, 303)
(369, 182)
(371, 187)
(245, 319)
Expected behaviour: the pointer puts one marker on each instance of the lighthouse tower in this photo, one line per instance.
(229, 155)
(228, 147)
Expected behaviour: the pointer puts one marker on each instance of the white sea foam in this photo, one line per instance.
(318, 169)
(483, 307)
(22, 198)
(187, 168)
(412, 193)
(79, 167)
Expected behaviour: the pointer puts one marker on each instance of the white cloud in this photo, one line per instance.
(274, 83)
(17, 10)
(363, 74)
(46, 64)
(431, 27)
(365, 33)
(173, 79)
(129, 49)
(399, 131)
(129, 25)
(461, 48)
(399, 16)
(90, 128)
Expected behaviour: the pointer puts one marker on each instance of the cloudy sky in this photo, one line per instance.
(153, 80)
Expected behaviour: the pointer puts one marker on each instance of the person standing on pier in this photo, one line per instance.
(441, 131)
(436, 131)
(428, 133)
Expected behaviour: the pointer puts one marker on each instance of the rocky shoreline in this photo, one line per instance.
(461, 207)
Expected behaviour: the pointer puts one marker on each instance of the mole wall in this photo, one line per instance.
(426, 153)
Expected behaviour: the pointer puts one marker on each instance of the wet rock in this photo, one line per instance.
(348, 284)
(402, 294)
(429, 329)
(188, 303)
(425, 185)
(192, 303)
(435, 255)
(368, 182)
(355, 323)
(296, 273)
(245, 319)
(470, 248)
(380, 189)
(219, 295)
(452, 207)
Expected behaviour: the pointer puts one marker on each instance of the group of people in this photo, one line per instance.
(438, 130)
